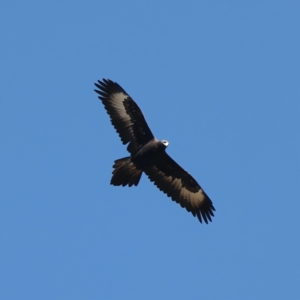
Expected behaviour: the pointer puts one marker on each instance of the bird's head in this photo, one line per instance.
(165, 143)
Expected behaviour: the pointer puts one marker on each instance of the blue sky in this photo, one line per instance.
(220, 80)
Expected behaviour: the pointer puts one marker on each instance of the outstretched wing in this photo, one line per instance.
(178, 184)
(125, 115)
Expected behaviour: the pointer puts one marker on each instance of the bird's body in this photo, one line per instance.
(148, 155)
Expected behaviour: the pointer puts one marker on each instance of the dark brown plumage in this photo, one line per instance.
(147, 154)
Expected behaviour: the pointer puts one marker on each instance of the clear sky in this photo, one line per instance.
(220, 80)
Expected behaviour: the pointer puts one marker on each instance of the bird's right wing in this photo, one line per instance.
(125, 115)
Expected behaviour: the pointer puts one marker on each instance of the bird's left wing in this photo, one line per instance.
(125, 115)
(178, 184)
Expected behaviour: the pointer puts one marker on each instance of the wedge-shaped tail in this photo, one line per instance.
(125, 173)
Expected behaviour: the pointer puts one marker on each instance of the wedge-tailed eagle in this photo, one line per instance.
(148, 155)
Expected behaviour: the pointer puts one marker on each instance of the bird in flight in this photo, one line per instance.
(148, 155)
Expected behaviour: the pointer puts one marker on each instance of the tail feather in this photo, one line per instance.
(125, 173)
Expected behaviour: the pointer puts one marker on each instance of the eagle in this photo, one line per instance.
(148, 154)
